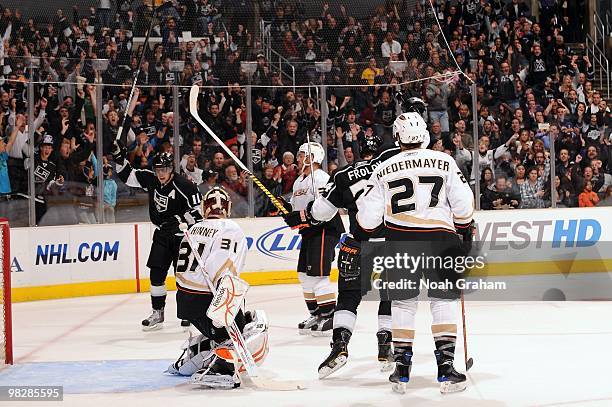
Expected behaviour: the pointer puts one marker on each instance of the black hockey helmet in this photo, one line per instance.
(369, 146)
(216, 203)
(414, 104)
(163, 160)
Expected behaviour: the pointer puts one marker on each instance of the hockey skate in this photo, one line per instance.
(385, 351)
(450, 380)
(220, 374)
(401, 375)
(155, 321)
(305, 325)
(338, 356)
(323, 327)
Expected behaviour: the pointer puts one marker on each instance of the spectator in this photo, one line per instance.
(390, 46)
(110, 194)
(286, 173)
(499, 196)
(532, 190)
(437, 98)
(588, 198)
(190, 170)
(209, 178)
(563, 192)
(5, 184)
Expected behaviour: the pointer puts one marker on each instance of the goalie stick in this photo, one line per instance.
(239, 344)
(193, 107)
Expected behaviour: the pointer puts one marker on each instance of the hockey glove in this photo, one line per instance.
(296, 219)
(466, 232)
(349, 257)
(118, 151)
(288, 207)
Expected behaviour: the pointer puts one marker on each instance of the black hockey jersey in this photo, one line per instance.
(345, 187)
(44, 173)
(169, 205)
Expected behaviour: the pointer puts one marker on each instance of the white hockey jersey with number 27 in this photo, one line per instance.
(416, 189)
(222, 247)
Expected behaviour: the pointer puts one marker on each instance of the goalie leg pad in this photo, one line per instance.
(256, 338)
(255, 335)
(227, 301)
(196, 355)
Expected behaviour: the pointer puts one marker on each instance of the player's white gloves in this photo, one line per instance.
(183, 226)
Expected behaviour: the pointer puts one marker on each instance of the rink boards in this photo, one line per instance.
(82, 260)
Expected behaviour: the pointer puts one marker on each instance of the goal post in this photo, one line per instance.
(6, 337)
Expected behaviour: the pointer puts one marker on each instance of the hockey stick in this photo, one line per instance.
(310, 157)
(193, 107)
(468, 361)
(156, 10)
(239, 343)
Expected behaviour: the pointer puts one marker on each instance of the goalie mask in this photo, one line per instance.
(316, 149)
(410, 128)
(216, 203)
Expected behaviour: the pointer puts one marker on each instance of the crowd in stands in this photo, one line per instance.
(539, 111)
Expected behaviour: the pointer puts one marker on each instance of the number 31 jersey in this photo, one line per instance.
(415, 190)
(222, 247)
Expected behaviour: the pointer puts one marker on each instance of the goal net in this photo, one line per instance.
(6, 342)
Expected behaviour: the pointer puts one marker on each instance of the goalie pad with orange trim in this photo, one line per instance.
(227, 300)
(255, 337)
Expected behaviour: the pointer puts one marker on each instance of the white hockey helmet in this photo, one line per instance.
(316, 149)
(410, 128)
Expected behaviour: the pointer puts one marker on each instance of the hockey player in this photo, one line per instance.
(222, 248)
(341, 192)
(317, 251)
(421, 195)
(172, 200)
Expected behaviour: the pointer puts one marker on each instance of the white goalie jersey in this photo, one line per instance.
(416, 189)
(222, 247)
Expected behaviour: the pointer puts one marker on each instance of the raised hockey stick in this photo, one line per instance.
(239, 343)
(156, 11)
(468, 361)
(193, 107)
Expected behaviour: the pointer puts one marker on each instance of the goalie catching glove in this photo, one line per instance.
(227, 301)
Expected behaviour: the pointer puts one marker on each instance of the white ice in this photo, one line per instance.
(525, 354)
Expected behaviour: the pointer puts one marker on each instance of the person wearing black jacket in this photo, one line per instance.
(173, 201)
(499, 196)
(45, 176)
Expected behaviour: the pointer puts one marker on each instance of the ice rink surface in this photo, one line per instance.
(525, 354)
